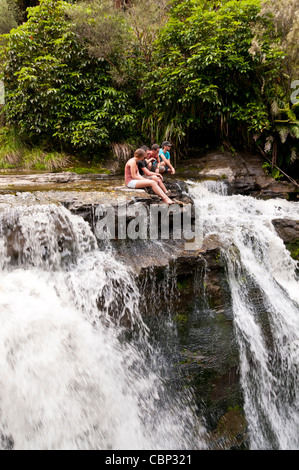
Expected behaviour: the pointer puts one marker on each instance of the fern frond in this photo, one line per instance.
(295, 131)
(283, 133)
(294, 155)
(275, 108)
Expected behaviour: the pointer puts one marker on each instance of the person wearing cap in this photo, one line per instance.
(134, 180)
(165, 158)
(151, 175)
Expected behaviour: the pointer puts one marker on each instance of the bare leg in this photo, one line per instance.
(159, 182)
(157, 190)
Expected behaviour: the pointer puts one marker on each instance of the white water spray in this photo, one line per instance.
(265, 295)
(68, 378)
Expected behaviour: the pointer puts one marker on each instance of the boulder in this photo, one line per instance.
(242, 172)
(287, 229)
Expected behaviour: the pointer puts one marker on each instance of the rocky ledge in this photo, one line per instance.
(172, 278)
(167, 260)
(242, 172)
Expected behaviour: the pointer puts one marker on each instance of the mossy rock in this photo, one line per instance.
(294, 249)
(231, 431)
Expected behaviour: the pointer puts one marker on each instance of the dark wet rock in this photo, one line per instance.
(287, 229)
(189, 284)
(6, 442)
(242, 172)
(231, 432)
(217, 292)
(124, 203)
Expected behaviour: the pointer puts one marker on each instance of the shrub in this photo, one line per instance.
(207, 76)
(56, 92)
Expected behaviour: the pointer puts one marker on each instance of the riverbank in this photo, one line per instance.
(242, 172)
(189, 285)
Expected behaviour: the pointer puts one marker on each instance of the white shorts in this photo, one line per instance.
(132, 184)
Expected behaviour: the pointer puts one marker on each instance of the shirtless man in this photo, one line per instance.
(153, 160)
(134, 180)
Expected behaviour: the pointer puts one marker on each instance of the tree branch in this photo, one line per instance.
(279, 169)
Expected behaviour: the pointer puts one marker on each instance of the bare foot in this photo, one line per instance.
(169, 201)
(181, 203)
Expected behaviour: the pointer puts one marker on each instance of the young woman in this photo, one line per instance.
(134, 180)
(143, 168)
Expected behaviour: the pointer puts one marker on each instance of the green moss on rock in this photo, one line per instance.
(294, 249)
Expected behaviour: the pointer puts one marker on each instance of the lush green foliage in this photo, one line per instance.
(284, 15)
(102, 29)
(125, 39)
(55, 91)
(15, 153)
(206, 75)
(282, 139)
(82, 75)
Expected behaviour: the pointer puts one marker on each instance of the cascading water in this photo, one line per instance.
(265, 296)
(69, 379)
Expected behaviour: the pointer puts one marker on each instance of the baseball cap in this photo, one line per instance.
(166, 143)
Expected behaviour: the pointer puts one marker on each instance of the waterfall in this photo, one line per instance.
(265, 298)
(69, 377)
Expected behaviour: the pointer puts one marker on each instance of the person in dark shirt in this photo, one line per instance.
(134, 180)
(146, 173)
(141, 166)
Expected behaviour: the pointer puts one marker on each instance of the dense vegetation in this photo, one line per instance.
(82, 77)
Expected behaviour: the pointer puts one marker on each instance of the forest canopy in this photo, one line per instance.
(82, 76)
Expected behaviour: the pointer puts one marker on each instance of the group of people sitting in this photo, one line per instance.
(146, 167)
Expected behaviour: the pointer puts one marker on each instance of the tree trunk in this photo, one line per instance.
(121, 3)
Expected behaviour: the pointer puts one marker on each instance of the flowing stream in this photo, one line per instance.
(69, 376)
(264, 286)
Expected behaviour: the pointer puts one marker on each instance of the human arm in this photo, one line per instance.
(148, 172)
(157, 165)
(167, 162)
(149, 162)
(135, 172)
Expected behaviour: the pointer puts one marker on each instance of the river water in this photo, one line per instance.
(71, 378)
(263, 280)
